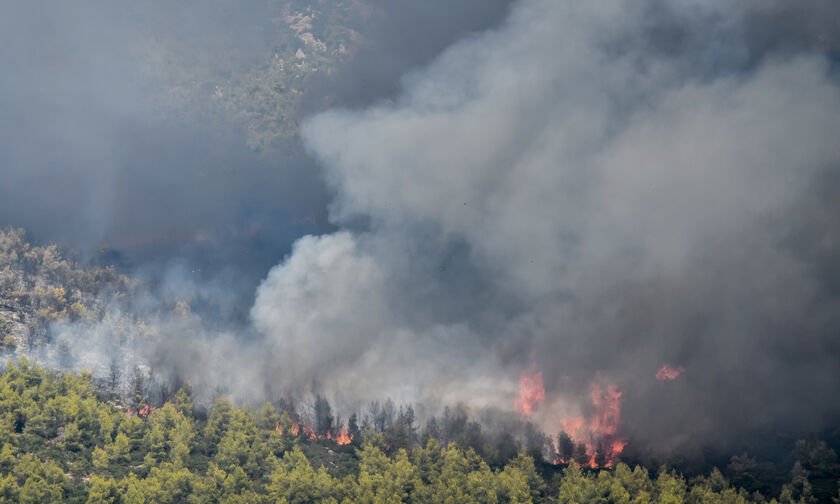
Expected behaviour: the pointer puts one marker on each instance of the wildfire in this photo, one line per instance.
(607, 401)
(667, 373)
(294, 429)
(599, 432)
(308, 431)
(575, 427)
(298, 428)
(531, 391)
(342, 438)
(142, 412)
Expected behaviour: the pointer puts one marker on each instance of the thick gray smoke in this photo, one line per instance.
(121, 129)
(168, 130)
(598, 188)
(594, 188)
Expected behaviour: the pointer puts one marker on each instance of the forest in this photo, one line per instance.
(116, 436)
(39, 286)
(367, 251)
(65, 439)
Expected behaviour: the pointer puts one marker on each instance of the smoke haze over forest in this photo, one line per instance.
(466, 191)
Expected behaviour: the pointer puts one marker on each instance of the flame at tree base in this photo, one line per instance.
(143, 412)
(599, 433)
(341, 438)
(596, 434)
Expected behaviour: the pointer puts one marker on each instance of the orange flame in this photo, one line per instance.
(342, 438)
(531, 391)
(308, 432)
(607, 403)
(600, 432)
(667, 373)
(142, 412)
(574, 427)
(297, 428)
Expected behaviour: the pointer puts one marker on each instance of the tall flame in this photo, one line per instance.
(667, 373)
(342, 438)
(600, 431)
(607, 401)
(531, 391)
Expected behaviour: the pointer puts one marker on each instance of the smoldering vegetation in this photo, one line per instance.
(593, 190)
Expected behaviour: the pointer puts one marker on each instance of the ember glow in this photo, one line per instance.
(667, 373)
(531, 391)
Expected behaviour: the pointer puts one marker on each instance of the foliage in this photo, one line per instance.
(260, 91)
(62, 443)
(38, 287)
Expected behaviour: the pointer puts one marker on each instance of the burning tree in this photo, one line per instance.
(593, 439)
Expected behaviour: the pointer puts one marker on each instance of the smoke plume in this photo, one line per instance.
(585, 191)
(593, 188)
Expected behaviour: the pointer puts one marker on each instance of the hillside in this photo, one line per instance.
(38, 287)
(374, 251)
(115, 437)
(258, 87)
(62, 441)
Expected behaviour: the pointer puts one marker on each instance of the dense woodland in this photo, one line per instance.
(117, 438)
(66, 440)
(124, 438)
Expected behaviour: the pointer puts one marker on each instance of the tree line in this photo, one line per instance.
(65, 440)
